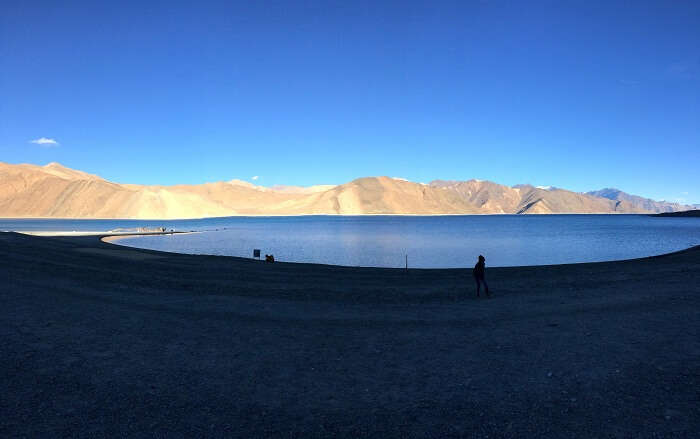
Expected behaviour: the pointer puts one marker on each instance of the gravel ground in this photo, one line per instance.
(99, 340)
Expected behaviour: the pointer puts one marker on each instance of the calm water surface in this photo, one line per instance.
(429, 241)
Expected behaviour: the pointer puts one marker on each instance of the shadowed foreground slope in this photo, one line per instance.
(685, 213)
(102, 340)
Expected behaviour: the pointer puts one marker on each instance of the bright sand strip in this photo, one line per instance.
(62, 233)
(107, 236)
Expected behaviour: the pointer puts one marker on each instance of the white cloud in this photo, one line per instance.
(43, 141)
(684, 193)
(255, 177)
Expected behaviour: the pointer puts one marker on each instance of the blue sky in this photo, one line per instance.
(576, 94)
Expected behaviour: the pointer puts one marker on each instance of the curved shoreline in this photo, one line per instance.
(110, 238)
(113, 239)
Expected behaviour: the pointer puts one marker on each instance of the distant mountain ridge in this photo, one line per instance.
(524, 198)
(640, 202)
(55, 191)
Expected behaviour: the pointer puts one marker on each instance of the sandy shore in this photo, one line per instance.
(102, 340)
(108, 236)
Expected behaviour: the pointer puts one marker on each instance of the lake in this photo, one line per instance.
(427, 241)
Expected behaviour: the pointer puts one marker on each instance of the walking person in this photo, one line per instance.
(480, 275)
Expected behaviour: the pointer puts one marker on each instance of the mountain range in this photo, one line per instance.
(55, 191)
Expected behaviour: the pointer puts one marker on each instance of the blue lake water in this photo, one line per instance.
(428, 241)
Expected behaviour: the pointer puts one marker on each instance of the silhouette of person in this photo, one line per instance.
(480, 275)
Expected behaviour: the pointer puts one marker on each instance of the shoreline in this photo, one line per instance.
(110, 238)
(115, 238)
(117, 233)
(323, 215)
(105, 234)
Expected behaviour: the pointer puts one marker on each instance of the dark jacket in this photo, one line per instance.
(479, 270)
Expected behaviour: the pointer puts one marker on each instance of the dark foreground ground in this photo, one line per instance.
(691, 213)
(100, 340)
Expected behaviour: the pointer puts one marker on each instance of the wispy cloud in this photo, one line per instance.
(254, 177)
(44, 141)
(685, 69)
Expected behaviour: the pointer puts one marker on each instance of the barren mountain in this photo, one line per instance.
(380, 195)
(300, 189)
(485, 196)
(56, 191)
(645, 204)
(59, 192)
(491, 197)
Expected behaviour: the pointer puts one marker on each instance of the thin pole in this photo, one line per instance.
(407, 262)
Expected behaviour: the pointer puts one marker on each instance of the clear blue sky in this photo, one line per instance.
(575, 94)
